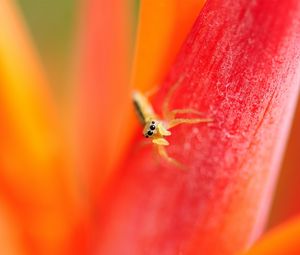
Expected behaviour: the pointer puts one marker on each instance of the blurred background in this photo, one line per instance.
(53, 24)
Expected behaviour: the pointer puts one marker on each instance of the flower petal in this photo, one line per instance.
(102, 91)
(34, 178)
(283, 239)
(163, 27)
(9, 233)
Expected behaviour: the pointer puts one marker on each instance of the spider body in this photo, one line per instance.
(156, 128)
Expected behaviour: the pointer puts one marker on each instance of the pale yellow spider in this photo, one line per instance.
(157, 128)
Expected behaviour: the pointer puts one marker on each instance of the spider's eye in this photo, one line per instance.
(153, 122)
(146, 136)
(149, 133)
(152, 127)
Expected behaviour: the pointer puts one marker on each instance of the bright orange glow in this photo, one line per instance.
(33, 176)
(9, 234)
(282, 240)
(160, 37)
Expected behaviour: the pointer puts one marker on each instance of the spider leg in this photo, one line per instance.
(188, 110)
(163, 153)
(165, 105)
(172, 114)
(163, 131)
(160, 141)
(175, 122)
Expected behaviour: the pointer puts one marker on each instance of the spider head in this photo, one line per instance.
(150, 128)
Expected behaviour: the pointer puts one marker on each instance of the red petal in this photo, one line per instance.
(240, 66)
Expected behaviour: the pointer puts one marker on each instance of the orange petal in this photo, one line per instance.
(9, 236)
(33, 178)
(284, 239)
(163, 27)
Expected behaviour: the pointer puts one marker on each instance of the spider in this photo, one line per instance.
(156, 128)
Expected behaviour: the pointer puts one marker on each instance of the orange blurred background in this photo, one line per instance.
(54, 24)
